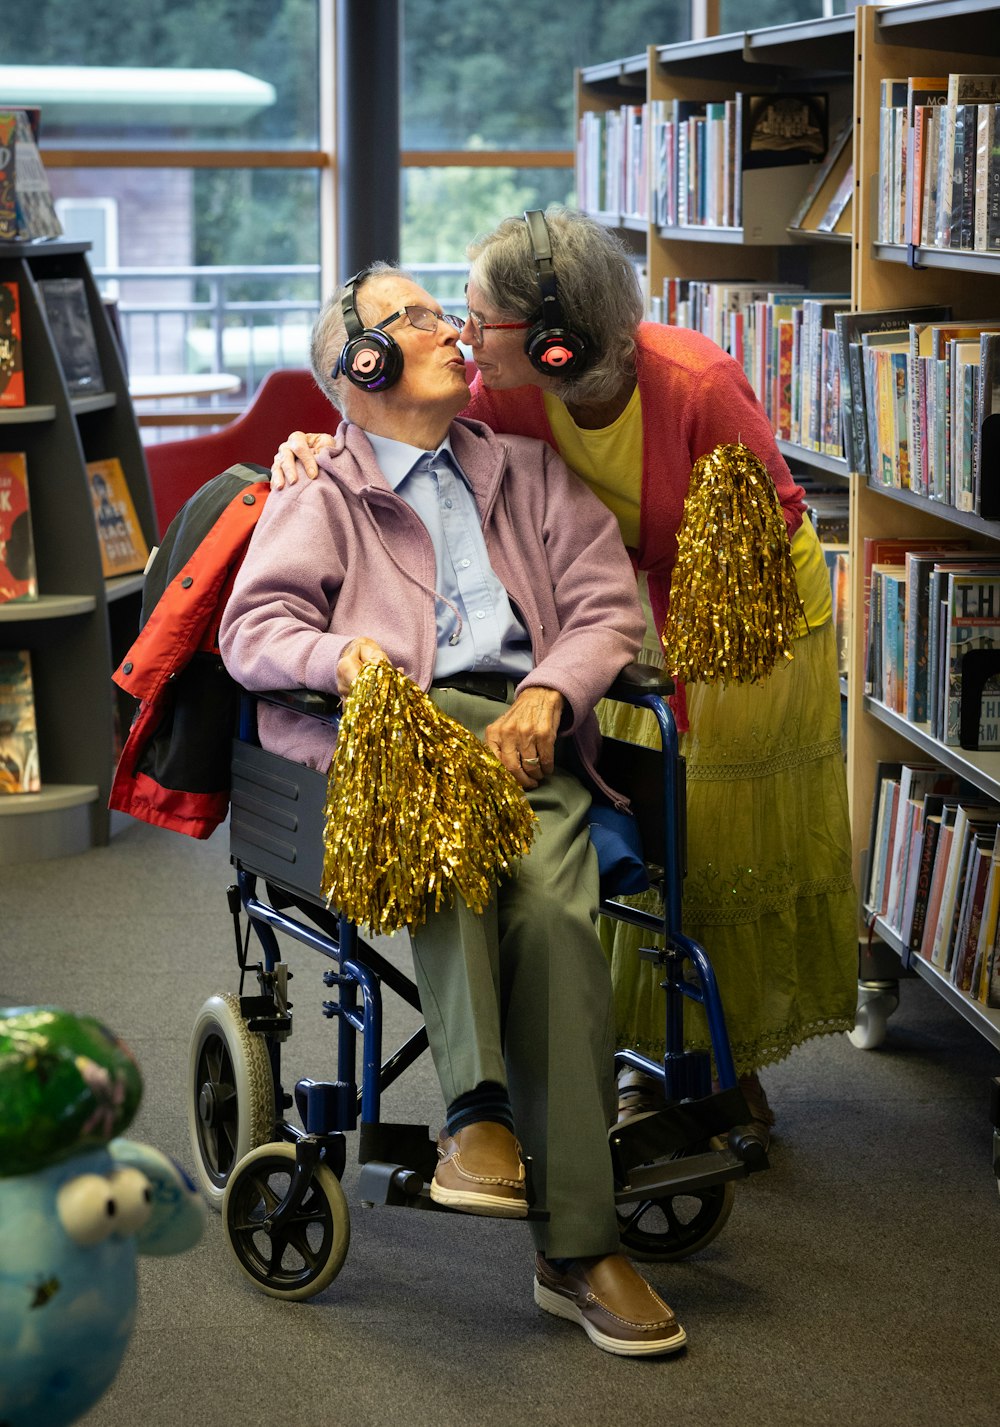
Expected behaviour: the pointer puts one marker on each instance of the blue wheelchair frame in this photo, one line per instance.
(686, 1148)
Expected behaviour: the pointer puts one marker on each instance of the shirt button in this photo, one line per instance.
(464, 564)
(448, 504)
(480, 614)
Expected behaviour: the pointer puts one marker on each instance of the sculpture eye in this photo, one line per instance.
(87, 1209)
(133, 1196)
(92, 1207)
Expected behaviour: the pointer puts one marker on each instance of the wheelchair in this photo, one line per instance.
(276, 1177)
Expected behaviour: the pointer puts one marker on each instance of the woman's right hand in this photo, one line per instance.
(299, 447)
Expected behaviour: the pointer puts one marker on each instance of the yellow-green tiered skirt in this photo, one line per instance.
(769, 892)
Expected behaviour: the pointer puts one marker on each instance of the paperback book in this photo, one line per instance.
(18, 731)
(11, 350)
(123, 548)
(17, 549)
(65, 300)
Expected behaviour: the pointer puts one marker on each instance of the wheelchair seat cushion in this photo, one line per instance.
(615, 836)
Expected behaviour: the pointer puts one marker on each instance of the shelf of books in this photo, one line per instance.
(76, 519)
(922, 356)
(866, 314)
(737, 159)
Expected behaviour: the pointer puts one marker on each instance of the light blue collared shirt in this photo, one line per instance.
(491, 637)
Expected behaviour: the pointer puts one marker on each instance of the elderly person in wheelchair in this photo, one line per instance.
(486, 571)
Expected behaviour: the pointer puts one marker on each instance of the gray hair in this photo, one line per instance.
(598, 291)
(329, 333)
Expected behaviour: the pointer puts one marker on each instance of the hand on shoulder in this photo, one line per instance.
(296, 456)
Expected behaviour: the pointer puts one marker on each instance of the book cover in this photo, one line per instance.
(65, 300)
(8, 197)
(849, 327)
(11, 349)
(933, 817)
(986, 137)
(919, 567)
(993, 187)
(838, 155)
(782, 129)
(944, 841)
(980, 828)
(975, 562)
(987, 926)
(987, 471)
(973, 624)
(967, 937)
(36, 211)
(916, 782)
(940, 945)
(922, 94)
(886, 772)
(933, 120)
(18, 731)
(123, 548)
(837, 206)
(17, 547)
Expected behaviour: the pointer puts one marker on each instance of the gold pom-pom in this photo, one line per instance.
(734, 603)
(417, 808)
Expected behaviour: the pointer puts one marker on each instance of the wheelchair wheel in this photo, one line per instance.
(231, 1093)
(304, 1255)
(676, 1225)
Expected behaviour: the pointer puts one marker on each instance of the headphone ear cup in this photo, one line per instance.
(373, 361)
(555, 351)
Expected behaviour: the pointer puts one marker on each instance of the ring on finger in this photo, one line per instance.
(529, 761)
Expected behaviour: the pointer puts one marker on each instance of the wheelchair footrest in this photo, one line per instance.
(396, 1186)
(685, 1125)
(688, 1174)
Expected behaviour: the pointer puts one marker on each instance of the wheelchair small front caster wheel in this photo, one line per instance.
(876, 1003)
(676, 1225)
(303, 1254)
(230, 1093)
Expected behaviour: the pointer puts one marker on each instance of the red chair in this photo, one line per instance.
(288, 399)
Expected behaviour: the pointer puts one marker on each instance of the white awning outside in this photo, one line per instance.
(104, 94)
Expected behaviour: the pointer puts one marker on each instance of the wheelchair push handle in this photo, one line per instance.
(637, 681)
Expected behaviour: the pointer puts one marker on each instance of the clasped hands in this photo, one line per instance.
(523, 737)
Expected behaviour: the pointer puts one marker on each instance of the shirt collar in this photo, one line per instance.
(397, 459)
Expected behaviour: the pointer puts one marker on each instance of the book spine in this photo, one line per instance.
(928, 849)
(993, 186)
(968, 198)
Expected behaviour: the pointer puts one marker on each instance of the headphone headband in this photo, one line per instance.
(551, 347)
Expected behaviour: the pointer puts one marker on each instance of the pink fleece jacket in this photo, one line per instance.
(694, 397)
(345, 556)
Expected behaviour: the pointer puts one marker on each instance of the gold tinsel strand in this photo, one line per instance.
(417, 808)
(734, 603)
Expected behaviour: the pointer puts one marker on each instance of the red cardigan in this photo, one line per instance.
(694, 397)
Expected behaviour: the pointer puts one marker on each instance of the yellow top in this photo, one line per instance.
(609, 461)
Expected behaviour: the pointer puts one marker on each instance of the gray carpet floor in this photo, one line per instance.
(856, 1281)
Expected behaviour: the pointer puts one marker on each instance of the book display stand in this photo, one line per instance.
(852, 58)
(80, 623)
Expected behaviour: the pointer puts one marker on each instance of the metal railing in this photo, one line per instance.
(235, 319)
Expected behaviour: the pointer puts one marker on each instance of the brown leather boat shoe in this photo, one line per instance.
(613, 1304)
(480, 1171)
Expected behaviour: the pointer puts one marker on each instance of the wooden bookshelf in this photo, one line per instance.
(850, 56)
(81, 624)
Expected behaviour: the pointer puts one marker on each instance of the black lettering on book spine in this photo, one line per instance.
(924, 876)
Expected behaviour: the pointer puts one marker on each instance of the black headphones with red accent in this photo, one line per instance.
(551, 347)
(370, 358)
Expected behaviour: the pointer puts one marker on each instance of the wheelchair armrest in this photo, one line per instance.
(327, 707)
(637, 680)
